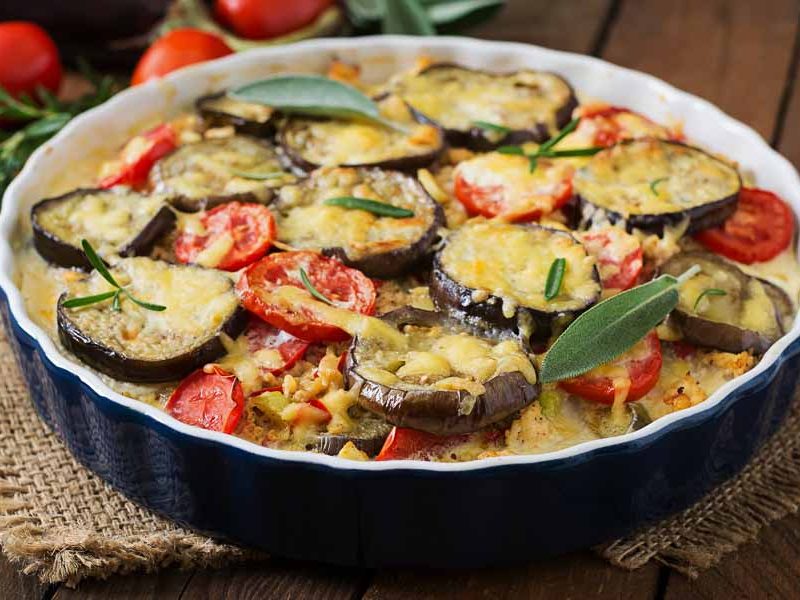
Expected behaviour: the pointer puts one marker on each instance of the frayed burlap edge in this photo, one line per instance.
(767, 489)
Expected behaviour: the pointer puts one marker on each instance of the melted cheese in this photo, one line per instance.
(456, 97)
(512, 263)
(620, 178)
(237, 108)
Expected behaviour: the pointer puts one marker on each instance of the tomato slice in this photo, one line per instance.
(139, 155)
(761, 228)
(347, 288)
(502, 185)
(403, 443)
(605, 125)
(641, 365)
(241, 232)
(619, 256)
(263, 336)
(209, 398)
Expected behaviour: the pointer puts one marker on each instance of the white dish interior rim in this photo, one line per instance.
(783, 177)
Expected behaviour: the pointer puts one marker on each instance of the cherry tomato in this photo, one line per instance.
(263, 336)
(502, 185)
(313, 412)
(641, 364)
(409, 443)
(209, 398)
(260, 19)
(347, 288)
(606, 125)
(683, 349)
(28, 59)
(176, 49)
(618, 255)
(761, 228)
(139, 155)
(246, 229)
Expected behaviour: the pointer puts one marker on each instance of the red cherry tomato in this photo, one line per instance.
(605, 125)
(683, 349)
(642, 363)
(761, 228)
(402, 443)
(312, 413)
(260, 19)
(139, 156)
(249, 227)
(618, 255)
(502, 185)
(347, 288)
(263, 336)
(176, 49)
(28, 59)
(212, 399)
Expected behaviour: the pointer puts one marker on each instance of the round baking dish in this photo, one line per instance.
(324, 508)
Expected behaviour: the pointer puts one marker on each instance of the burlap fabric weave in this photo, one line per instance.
(61, 522)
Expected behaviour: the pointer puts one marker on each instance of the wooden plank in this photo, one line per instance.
(166, 585)
(572, 25)
(14, 584)
(575, 576)
(277, 579)
(734, 53)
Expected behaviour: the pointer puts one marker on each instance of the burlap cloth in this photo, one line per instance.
(61, 522)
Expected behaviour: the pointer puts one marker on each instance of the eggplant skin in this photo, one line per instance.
(475, 138)
(370, 444)
(125, 368)
(704, 216)
(722, 336)
(63, 254)
(218, 118)
(437, 411)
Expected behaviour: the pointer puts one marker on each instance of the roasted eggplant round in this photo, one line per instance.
(496, 273)
(116, 222)
(721, 307)
(141, 345)
(650, 184)
(380, 246)
(523, 105)
(313, 142)
(204, 174)
(248, 118)
(368, 435)
(448, 379)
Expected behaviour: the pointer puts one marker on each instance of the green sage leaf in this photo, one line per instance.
(407, 17)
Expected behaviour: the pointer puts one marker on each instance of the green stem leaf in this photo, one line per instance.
(554, 278)
(87, 300)
(708, 292)
(311, 289)
(378, 208)
(98, 263)
(654, 185)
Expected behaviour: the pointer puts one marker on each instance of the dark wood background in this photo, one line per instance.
(741, 55)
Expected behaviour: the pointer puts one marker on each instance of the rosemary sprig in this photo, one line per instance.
(555, 276)
(708, 292)
(546, 149)
(492, 127)
(311, 289)
(44, 119)
(654, 185)
(116, 294)
(378, 208)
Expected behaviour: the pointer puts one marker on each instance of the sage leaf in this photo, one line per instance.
(406, 17)
(312, 95)
(311, 289)
(372, 206)
(442, 12)
(554, 278)
(492, 127)
(611, 327)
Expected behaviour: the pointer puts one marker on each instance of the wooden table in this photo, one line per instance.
(741, 55)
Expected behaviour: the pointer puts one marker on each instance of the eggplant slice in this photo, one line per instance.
(208, 173)
(603, 423)
(312, 142)
(145, 346)
(496, 272)
(532, 105)
(115, 222)
(449, 380)
(248, 118)
(381, 247)
(649, 184)
(368, 435)
(750, 316)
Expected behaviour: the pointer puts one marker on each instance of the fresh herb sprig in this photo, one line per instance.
(259, 176)
(44, 119)
(555, 277)
(709, 292)
(114, 295)
(373, 206)
(654, 184)
(492, 127)
(311, 289)
(546, 149)
(612, 326)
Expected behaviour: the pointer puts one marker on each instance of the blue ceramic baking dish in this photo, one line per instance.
(309, 506)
